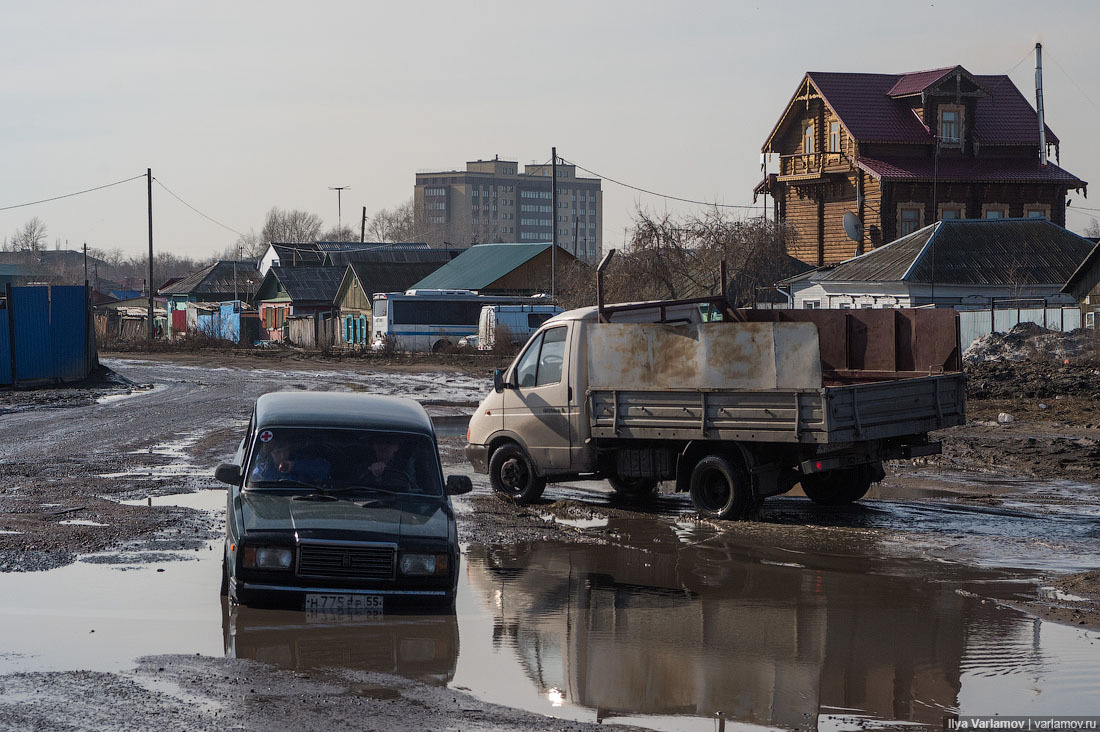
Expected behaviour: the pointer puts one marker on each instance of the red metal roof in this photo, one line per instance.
(870, 114)
(967, 169)
(918, 81)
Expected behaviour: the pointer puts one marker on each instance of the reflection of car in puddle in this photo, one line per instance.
(629, 632)
(422, 647)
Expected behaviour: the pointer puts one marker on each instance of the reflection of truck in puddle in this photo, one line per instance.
(732, 411)
(696, 629)
(423, 647)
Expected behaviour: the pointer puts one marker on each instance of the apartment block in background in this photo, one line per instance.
(492, 201)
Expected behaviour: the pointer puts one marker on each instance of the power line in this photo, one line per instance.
(70, 195)
(654, 193)
(200, 213)
(1071, 80)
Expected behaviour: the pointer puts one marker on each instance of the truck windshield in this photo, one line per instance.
(344, 460)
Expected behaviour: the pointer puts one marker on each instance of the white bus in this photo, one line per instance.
(431, 320)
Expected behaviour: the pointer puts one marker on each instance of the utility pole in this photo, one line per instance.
(339, 191)
(149, 188)
(363, 227)
(85, 265)
(554, 221)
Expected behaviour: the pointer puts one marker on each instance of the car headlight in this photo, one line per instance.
(268, 557)
(424, 564)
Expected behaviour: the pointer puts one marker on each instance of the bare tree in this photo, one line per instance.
(1093, 229)
(31, 237)
(395, 224)
(339, 233)
(291, 226)
(669, 258)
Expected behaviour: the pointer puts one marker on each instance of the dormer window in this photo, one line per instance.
(808, 139)
(950, 132)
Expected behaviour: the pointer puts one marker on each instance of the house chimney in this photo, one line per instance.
(1039, 103)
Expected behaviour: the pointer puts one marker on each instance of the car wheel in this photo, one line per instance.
(633, 487)
(511, 472)
(721, 488)
(837, 487)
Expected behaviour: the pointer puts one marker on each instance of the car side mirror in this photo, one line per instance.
(459, 484)
(230, 473)
(498, 381)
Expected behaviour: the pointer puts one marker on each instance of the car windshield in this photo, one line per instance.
(344, 460)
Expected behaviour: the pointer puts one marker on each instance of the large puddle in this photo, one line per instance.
(664, 635)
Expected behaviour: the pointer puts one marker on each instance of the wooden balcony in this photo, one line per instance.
(812, 166)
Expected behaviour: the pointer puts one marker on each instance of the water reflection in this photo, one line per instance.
(692, 627)
(422, 647)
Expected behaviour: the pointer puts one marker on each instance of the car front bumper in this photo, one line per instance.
(478, 457)
(261, 594)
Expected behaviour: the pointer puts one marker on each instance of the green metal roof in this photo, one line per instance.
(480, 266)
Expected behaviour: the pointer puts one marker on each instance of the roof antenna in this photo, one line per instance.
(1039, 103)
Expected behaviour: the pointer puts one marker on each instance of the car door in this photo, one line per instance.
(536, 407)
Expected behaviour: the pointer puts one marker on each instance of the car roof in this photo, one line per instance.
(341, 409)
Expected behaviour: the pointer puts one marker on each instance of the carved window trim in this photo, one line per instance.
(1000, 207)
(808, 137)
(1043, 208)
(910, 206)
(950, 206)
(960, 111)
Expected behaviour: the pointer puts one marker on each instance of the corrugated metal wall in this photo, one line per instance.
(973, 324)
(53, 336)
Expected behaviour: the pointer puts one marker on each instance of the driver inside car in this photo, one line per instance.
(385, 465)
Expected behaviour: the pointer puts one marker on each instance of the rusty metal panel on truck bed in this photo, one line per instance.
(652, 356)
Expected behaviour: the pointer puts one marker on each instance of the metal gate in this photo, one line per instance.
(47, 335)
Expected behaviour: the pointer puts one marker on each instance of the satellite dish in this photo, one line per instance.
(853, 227)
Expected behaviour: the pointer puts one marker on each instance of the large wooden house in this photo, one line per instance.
(903, 150)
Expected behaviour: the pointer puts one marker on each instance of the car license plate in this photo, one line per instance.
(334, 607)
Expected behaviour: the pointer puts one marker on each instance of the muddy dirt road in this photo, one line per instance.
(935, 596)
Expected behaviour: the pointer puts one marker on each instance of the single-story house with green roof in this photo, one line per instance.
(499, 269)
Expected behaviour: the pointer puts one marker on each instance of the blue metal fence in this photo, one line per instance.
(45, 334)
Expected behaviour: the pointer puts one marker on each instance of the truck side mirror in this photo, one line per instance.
(498, 381)
(459, 484)
(228, 473)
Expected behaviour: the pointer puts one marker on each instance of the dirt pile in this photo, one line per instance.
(1043, 379)
(1030, 341)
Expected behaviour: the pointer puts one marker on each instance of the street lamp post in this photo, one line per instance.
(339, 215)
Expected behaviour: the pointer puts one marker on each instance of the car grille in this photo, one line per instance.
(346, 560)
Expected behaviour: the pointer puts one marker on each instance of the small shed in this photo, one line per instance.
(1084, 287)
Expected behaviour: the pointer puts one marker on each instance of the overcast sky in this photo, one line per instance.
(241, 106)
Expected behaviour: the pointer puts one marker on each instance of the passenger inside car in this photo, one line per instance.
(280, 461)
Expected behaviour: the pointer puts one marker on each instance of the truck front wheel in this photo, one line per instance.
(721, 488)
(838, 487)
(632, 487)
(512, 472)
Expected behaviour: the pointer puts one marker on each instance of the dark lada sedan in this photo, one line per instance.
(337, 505)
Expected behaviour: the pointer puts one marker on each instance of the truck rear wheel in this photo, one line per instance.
(511, 472)
(721, 488)
(838, 487)
(633, 487)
